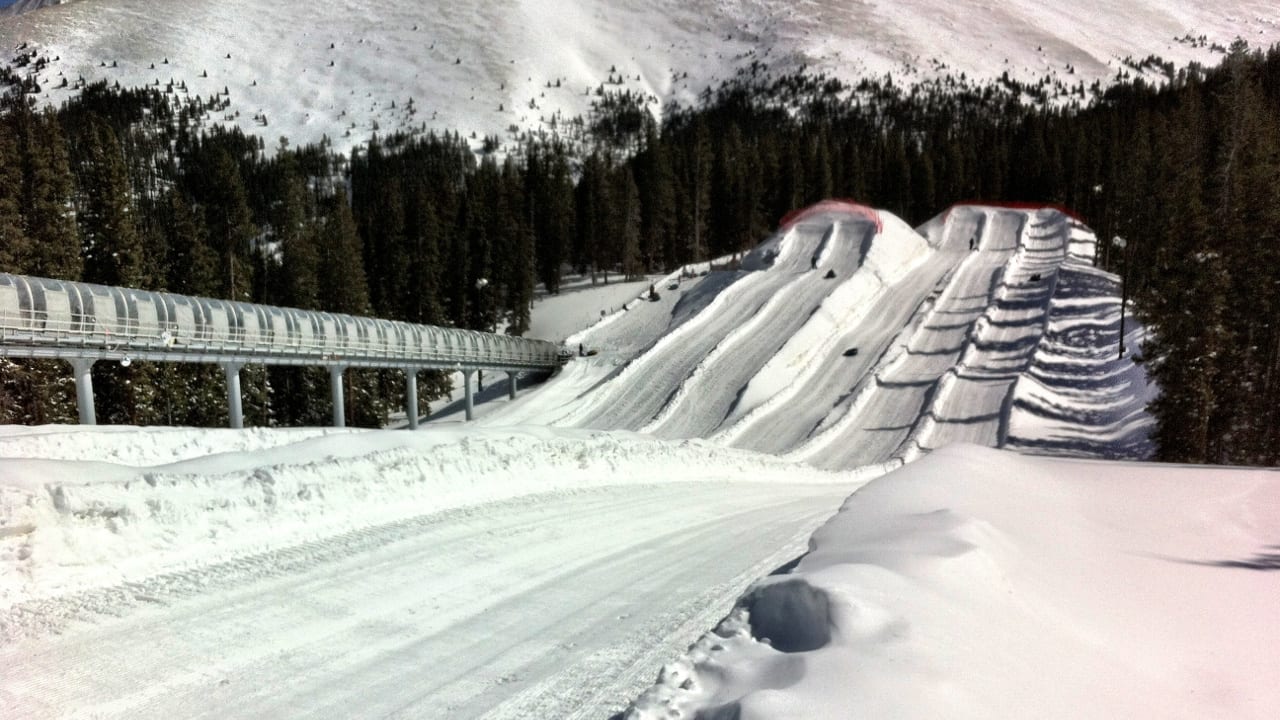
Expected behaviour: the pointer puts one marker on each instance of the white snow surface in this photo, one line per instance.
(72, 525)
(329, 67)
(976, 583)
(547, 560)
(524, 572)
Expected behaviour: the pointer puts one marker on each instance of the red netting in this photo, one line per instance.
(834, 205)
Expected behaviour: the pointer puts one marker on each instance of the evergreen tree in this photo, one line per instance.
(230, 224)
(627, 218)
(549, 207)
(15, 246)
(46, 194)
(114, 252)
(44, 243)
(592, 202)
(522, 255)
(344, 289)
(655, 181)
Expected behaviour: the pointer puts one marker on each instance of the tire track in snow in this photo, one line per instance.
(456, 617)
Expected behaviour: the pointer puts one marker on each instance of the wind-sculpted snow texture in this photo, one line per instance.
(976, 583)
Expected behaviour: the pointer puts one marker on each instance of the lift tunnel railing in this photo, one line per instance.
(83, 323)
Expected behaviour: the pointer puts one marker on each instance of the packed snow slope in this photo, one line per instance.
(331, 67)
(848, 339)
(975, 583)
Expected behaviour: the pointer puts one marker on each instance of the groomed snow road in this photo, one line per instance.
(562, 603)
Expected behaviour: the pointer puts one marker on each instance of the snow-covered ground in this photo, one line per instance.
(522, 567)
(341, 69)
(515, 573)
(976, 583)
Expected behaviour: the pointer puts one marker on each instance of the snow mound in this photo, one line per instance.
(977, 583)
(123, 445)
(836, 206)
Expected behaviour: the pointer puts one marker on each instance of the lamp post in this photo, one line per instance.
(1120, 244)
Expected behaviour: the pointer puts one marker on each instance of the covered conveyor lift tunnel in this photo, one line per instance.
(83, 323)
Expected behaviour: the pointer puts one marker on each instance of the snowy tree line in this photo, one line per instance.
(129, 187)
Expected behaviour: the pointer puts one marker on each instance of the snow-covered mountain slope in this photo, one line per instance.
(331, 67)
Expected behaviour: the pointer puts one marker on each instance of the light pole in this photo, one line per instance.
(1121, 244)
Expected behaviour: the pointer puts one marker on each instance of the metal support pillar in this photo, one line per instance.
(81, 367)
(470, 401)
(511, 385)
(235, 410)
(411, 397)
(339, 407)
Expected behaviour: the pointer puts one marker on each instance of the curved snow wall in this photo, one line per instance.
(1017, 205)
(833, 205)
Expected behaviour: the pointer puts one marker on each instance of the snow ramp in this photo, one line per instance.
(983, 326)
(734, 335)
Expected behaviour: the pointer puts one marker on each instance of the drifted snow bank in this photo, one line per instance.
(143, 446)
(72, 525)
(976, 583)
